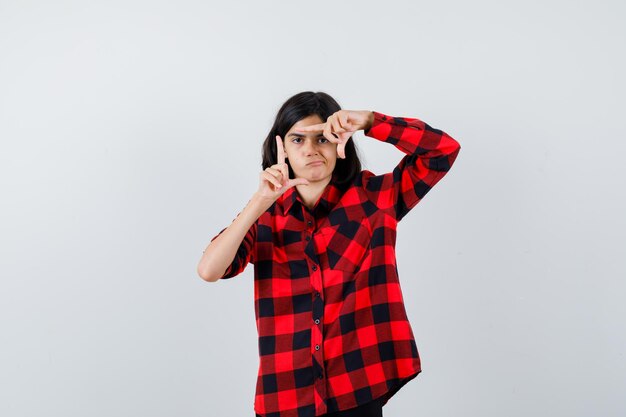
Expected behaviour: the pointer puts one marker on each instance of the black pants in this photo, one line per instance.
(371, 409)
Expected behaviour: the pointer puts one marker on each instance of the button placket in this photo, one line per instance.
(318, 308)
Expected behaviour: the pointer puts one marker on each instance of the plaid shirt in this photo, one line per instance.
(332, 326)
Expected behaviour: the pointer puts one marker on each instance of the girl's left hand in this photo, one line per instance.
(340, 126)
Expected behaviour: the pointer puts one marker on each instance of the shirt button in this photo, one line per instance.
(317, 294)
(309, 223)
(317, 347)
(308, 237)
(317, 321)
(320, 376)
(315, 267)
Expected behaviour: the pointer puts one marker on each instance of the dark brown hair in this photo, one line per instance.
(296, 108)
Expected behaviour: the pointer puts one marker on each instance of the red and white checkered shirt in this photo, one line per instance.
(332, 326)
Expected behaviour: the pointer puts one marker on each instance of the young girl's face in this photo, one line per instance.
(310, 154)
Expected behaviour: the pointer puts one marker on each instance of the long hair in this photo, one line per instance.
(296, 108)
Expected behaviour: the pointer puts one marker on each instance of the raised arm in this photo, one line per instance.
(230, 251)
(429, 155)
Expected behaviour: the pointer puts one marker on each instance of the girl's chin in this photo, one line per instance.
(313, 176)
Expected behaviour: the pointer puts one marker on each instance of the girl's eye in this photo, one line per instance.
(297, 139)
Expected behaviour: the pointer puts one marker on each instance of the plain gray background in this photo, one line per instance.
(131, 134)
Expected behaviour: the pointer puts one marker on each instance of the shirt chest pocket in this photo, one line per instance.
(346, 244)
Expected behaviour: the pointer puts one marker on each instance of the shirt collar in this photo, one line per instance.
(331, 195)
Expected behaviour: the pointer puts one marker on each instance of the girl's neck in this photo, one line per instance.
(312, 192)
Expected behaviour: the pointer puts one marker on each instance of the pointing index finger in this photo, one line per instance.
(280, 152)
(311, 128)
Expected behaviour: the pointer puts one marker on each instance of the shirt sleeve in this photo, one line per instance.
(429, 155)
(245, 252)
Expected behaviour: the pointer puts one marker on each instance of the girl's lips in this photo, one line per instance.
(315, 163)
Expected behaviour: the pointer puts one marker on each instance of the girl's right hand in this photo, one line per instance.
(274, 180)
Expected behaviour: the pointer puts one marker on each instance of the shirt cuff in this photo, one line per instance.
(378, 119)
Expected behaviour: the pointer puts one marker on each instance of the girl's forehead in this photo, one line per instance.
(307, 121)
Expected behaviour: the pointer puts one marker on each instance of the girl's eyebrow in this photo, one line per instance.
(300, 135)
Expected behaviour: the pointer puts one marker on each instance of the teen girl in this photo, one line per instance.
(334, 338)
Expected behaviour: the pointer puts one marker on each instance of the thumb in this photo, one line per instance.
(298, 181)
(341, 150)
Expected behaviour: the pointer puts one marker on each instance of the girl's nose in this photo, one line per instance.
(310, 147)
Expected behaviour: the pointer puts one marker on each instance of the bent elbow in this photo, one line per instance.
(206, 274)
